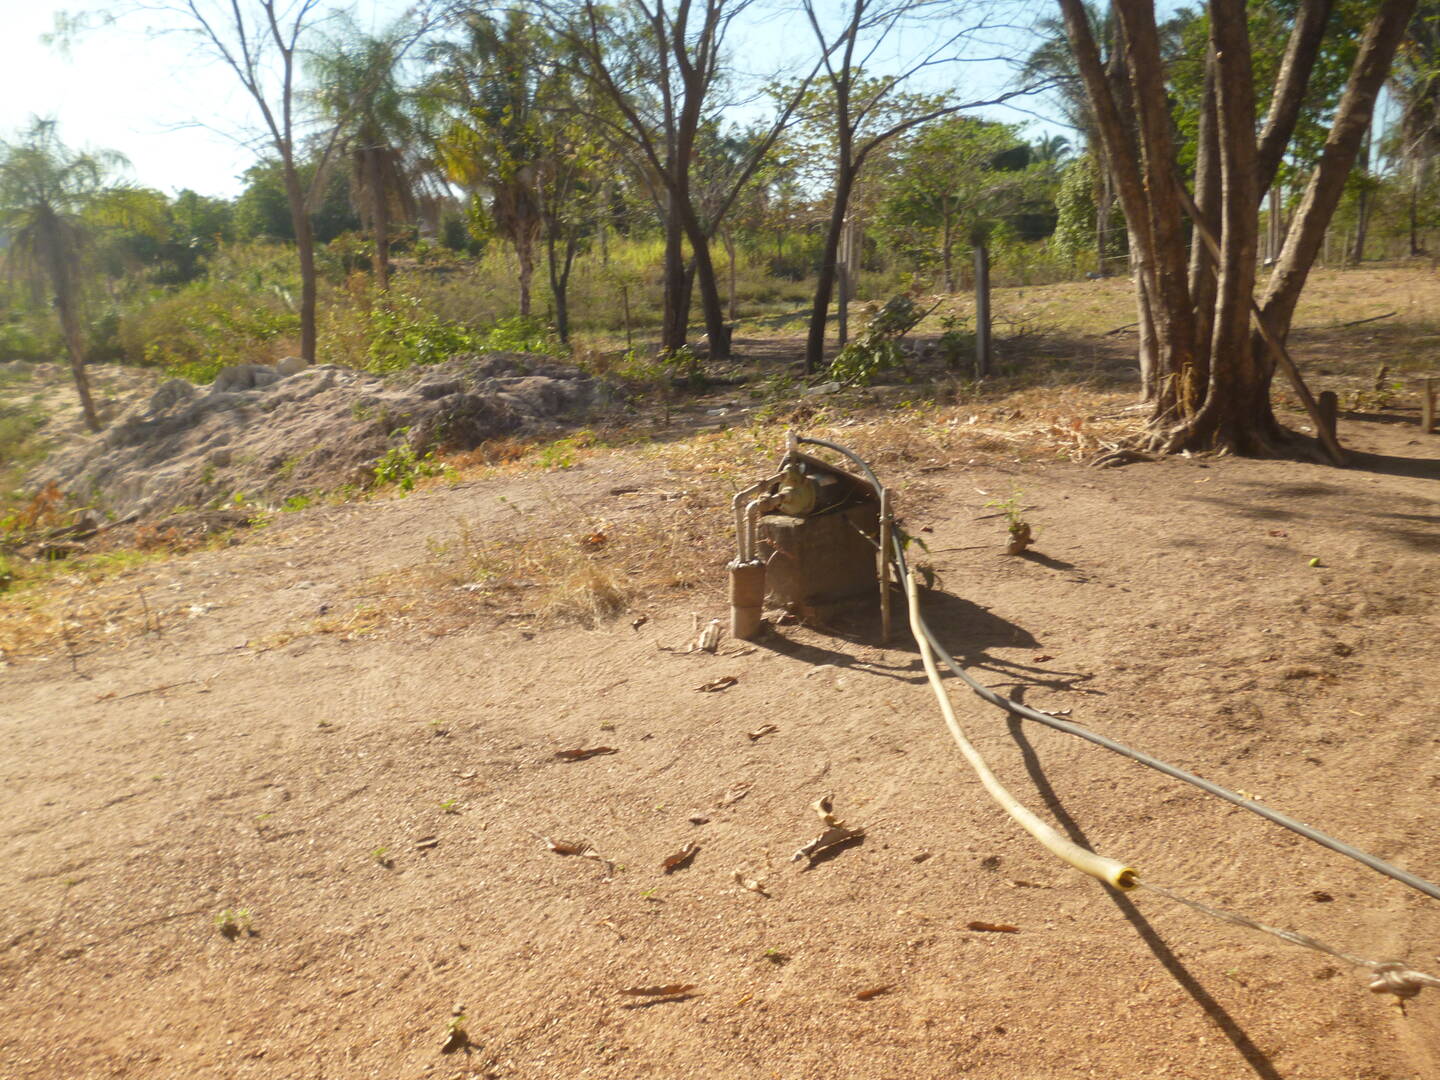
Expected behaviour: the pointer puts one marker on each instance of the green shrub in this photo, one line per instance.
(520, 334)
(401, 466)
(403, 333)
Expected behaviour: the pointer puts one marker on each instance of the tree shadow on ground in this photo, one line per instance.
(1253, 1055)
(1390, 465)
(1380, 513)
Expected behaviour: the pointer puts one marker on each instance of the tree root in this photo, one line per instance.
(1125, 455)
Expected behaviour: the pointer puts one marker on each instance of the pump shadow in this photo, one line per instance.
(1253, 1055)
(966, 630)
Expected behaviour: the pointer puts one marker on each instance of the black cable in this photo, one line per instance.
(1026, 712)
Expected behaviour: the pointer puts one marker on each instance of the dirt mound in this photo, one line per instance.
(266, 435)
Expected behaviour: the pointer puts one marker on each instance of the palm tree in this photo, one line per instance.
(358, 90)
(45, 188)
(493, 90)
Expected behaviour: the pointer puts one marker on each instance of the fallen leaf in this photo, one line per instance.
(831, 837)
(698, 819)
(1320, 896)
(734, 794)
(722, 683)
(751, 884)
(582, 849)
(581, 755)
(595, 540)
(427, 842)
(874, 991)
(680, 858)
(837, 832)
(924, 856)
(993, 928)
(641, 621)
(1278, 532)
(761, 732)
(1042, 658)
(658, 991)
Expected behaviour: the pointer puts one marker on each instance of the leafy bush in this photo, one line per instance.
(401, 466)
(520, 334)
(403, 334)
(29, 339)
(878, 349)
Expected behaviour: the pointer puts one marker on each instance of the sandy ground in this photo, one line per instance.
(373, 807)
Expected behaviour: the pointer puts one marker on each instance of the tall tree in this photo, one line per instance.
(953, 179)
(657, 64)
(357, 89)
(261, 43)
(861, 115)
(46, 189)
(1211, 374)
(497, 89)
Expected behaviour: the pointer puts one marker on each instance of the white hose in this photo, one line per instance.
(1111, 871)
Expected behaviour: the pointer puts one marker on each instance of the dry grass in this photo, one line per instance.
(1063, 401)
(658, 544)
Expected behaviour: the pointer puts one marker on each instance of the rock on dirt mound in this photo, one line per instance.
(267, 434)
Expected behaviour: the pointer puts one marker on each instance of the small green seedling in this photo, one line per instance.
(1021, 534)
(233, 922)
(455, 1036)
(450, 806)
(381, 855)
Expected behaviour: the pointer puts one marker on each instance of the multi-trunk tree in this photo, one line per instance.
(1205, 370)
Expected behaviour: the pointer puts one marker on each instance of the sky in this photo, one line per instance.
(121, 89)
(175, 111)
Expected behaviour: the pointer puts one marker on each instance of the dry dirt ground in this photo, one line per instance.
(372, 804)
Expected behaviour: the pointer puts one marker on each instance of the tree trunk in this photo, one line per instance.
(947, 253)
(982, 309)
(825, 280)
(676, 317)
(1236, 410)
(1414, 211)
(379, 218)
(1208, 195)
(525, 253)
(305, 248)
(1274, 234)
(729, 241)
(1327, 181)
(1362, 202)
(559, 267)
(716, 331)
(74, 344)
(1104, 206)
(1161, 223)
